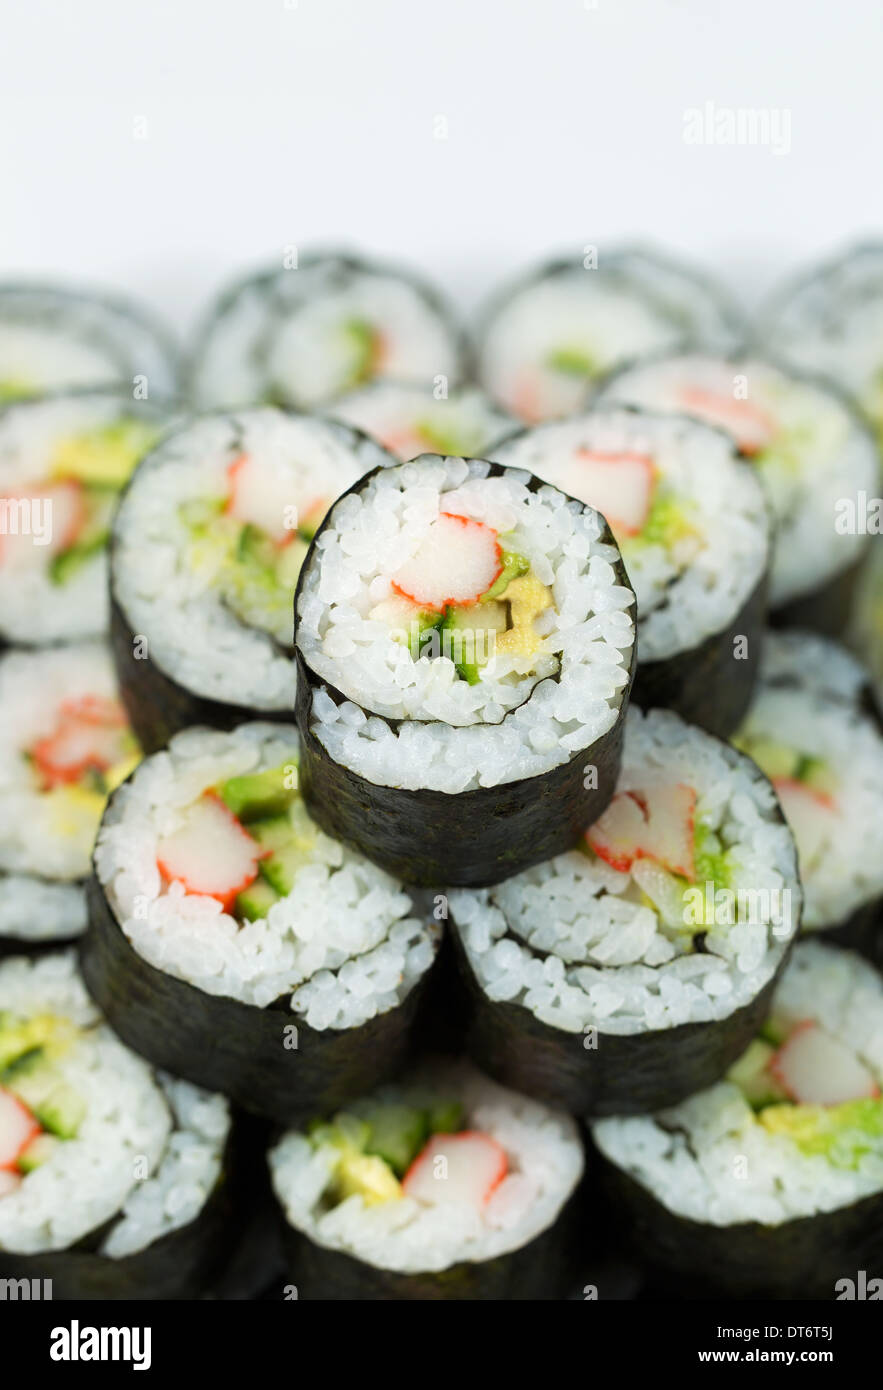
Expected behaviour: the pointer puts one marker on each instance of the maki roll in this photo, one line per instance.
(302, 336)
(64, 744)
(634, 969)
(410, 420)
(64, 459)
(769, 1184)
(51, 338)
(691, 523)
(830, 320)
(112, 1177)
(442, 1185)
(208, 542)
(464, 644)
(233, 943)
(824, 755)
(550, 335)
(813, 455)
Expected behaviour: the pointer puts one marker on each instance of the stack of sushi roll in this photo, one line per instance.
(691, 522)
(769, 1183)
(113, 1178)
(304, 334)
(813, 453)
(410, 420)
(208, 543)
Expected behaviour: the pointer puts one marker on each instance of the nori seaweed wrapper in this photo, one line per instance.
(862, 932)
(178, 1265)
(625, 1074)
(707, 685)
(226, 1045)
(798, 1259)
(466, 839)
(826, 609)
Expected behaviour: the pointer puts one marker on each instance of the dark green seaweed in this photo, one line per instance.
(825, 609)
(624, 1074)
(707, 685)
(469, 839)
(862, 932)
(226, 1045)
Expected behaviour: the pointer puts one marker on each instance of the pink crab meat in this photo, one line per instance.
(619, 485)
(462, 1169)
(260, 496)
(211, 853)
(55, 510)
(17, 1128)
(811, 815)
(458, 560)
(815, 1068)
(751, 427)
(654, 822)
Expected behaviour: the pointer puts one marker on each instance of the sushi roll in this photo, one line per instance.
(410, 420)
(691, 523)
(208, 542)
(302, 336)
(823, 752)
(113, 1178)
(549, 336)
(865, 631)
(830, 320)
(53, 338)
(813, 455)
(634, 969)
(441, 1185)
(770, 1183)
(64, 460)
(464, 641)
(64, 745)
(233, 943)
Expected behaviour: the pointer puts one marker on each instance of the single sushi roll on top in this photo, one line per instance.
(812, 453)
(546, 338)
(691, 523)
(234, 943)
(302, 336)
(64, 460)
(441, 1185)
(412, 420)
(112, 1177)
(809, 730)
(632, 970)
(208, 543)
(770, 1184)
(52, 338)
(464, 638)
(65, 744)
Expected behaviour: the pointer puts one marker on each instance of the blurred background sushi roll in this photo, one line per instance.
(64, 745)
(52, 337)
(410, 420)
(208, 543)
(232, 942)
(64, 459)
(769, 1184)
(865, 632)
(545, 339)
(113, 1178)
(633, 970)
(814, 457)
(303, 335)
(465, 637)
(691, 523)
(440, 1186)
(810, 732)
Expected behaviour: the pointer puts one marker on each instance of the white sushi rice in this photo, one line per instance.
(33, 911)
(708, 1159)
(343, 945)
(191, 635)
(844, 870)
(633, 303)
(52, 338)
(545, 1160)
(798, 657)
(278, 335)
(33, 609)
(514, 723)
(682, 597)
(40, 835)
(147, 1151)
(583, 945)
(819, 456)
(410, 420)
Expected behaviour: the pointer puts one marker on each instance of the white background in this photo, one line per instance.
(271, 122)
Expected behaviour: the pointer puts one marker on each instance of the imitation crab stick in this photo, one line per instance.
(656, 822)
(458, 560)
(815, 1068)
(460, 1168)
(211, 853)
(751, 427)
(91, 733)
